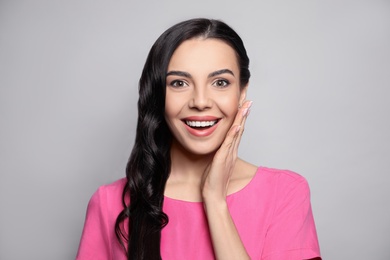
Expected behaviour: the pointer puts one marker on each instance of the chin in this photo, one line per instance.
(203, 152)
(194, 148)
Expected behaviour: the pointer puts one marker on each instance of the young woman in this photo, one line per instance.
(187, 195)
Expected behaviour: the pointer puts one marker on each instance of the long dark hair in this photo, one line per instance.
(148, 168)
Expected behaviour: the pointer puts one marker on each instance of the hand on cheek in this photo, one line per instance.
(217, 175)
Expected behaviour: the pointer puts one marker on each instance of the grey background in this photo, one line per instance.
(68, 91)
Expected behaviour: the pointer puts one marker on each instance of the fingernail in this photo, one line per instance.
(238, 128)
(250, 104)
(245, 111)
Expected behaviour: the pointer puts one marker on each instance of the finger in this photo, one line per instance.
(232, 134)
(240, 118)
(244, 114)
(232, 139)
(237, 128)
(225, 150)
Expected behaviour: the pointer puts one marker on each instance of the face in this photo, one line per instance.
(202, 94)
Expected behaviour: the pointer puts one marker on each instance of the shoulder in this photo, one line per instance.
(279, 183)
(266, 179)
(291, 232)
(249, 170)
(288, 187)
(272, 176)
(284, 177)
(113, 188)
(108, 195)
(98, 239)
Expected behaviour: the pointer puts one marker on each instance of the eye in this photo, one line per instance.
(221, 83)
(178, 84)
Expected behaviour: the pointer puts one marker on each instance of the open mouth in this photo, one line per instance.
(200, 124)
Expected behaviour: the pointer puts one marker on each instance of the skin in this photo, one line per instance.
(203, 83)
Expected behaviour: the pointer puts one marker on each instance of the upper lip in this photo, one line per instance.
(200, 118)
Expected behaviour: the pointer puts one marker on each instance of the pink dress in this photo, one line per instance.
(272, 214)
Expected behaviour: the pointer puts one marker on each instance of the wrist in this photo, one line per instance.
(215, 203)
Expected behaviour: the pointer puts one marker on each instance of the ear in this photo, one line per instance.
(243, 95)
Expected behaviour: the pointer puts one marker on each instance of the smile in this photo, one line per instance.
(201, 124)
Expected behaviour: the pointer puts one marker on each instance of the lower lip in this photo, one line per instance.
(200, 132)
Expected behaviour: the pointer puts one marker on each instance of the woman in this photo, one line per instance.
(187, 195)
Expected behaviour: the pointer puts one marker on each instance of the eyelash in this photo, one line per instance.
(224, 81)
(175, 82)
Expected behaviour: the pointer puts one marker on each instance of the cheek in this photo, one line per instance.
(230, 105)
(170, 100)
(173, 107)
(168, 108)
(169, 113)
(168, 103)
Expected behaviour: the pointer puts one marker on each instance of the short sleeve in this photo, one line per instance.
(94, 242)
(292, 232)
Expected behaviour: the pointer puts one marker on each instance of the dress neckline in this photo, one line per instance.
(229, 196)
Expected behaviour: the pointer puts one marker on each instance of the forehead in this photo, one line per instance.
(204, 54)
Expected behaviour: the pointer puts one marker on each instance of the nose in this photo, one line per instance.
(200, 99)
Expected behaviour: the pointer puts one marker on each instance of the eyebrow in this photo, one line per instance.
(219, 72)
(179, 73)
(188, 75)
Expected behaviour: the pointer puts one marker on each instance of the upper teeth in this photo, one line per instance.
(201, 123)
